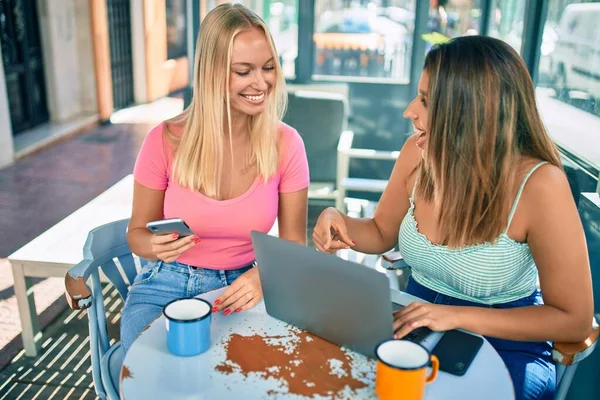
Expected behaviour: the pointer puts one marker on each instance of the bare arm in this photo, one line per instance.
(292, 216)
(558, 246)
(379, 234)
(147, 206)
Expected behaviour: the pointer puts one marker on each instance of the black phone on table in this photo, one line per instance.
(456, 350)
(169, 226)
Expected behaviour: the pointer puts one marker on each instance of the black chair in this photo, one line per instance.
(320, 118)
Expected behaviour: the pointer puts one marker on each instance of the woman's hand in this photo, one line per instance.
(169, 247)
(244, 293)
(330, 233)
(434, 316)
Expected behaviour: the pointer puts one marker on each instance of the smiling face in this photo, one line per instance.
(253, 73)
(418, 113)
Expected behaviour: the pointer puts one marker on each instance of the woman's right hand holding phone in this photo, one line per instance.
(169, 247)
(330, 233)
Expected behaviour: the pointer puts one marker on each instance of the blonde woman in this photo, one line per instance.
(226, 166)
(480, 208)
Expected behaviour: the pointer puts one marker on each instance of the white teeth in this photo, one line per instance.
(417, 130)
(255, 98)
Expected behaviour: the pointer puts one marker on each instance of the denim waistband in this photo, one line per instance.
(541, 349)
(419, 290)
(177, 266)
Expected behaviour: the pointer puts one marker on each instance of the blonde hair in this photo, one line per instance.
(198, 160)
(482, 121)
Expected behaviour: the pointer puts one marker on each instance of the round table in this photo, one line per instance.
(255, 356)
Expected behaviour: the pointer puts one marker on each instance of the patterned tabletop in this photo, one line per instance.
(255, 356)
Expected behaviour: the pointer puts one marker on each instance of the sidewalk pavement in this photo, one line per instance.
(40, 190)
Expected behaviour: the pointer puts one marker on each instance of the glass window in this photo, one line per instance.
(568, 90)
(176, 29)
(506, 21)
(282, 19)
(451, 18)
(281, 16)
(363, 39)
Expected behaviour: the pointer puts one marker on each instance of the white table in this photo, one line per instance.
(59, 248)
(255, 356)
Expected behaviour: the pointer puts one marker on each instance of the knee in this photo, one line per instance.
(533, 379)
(135, 318)
(129, 330)
(125, 345)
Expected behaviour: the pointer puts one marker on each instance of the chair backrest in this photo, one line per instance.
(105, 248)
(108, 243)
(575, 354)
(320, 118)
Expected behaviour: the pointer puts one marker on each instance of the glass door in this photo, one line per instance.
(23, 63)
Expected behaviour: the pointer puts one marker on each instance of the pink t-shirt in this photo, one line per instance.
(223, 226)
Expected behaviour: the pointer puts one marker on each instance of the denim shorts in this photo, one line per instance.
(530, 364)
(158, 283)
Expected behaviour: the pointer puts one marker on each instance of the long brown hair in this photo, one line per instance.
(482, 121)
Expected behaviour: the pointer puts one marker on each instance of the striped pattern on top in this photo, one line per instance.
(487, 273)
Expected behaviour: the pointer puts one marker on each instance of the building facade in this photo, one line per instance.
(67, 64)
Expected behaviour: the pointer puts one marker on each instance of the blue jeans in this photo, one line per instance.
(158, 283)
(530, 364)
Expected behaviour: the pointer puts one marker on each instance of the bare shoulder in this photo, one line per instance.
(408, 160)
(394, 202)
(547, 193)
(548, 179)
(410, 155)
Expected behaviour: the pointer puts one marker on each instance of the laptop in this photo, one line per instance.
(343, 302)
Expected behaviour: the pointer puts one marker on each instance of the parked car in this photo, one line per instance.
(575, 62)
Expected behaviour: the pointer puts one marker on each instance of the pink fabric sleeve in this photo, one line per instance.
(294, 164)
(151, 166)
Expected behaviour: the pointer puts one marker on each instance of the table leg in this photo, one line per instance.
(29, 319)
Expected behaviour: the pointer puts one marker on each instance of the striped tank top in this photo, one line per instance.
(487, 273)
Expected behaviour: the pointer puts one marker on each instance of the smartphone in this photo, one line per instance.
(169, 226)
(456, 350)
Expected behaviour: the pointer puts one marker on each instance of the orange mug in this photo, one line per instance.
(402, 370)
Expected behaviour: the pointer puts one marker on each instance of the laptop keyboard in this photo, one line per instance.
(416, 335)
